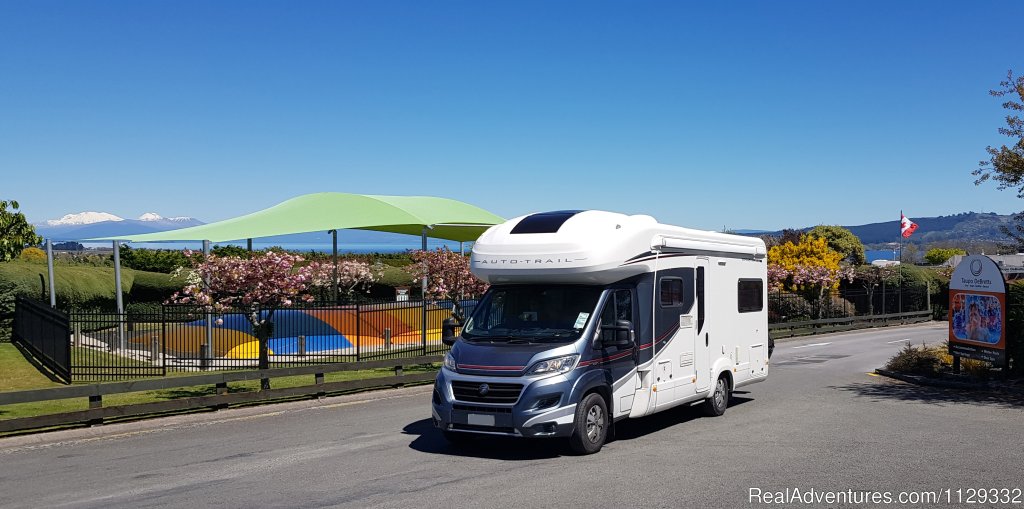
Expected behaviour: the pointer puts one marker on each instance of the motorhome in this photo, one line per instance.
(593, 317)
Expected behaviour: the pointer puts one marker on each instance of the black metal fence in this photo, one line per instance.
(44, 332)
(96, 345)
(111, 346)
(846, 302)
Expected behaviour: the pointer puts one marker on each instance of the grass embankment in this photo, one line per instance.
(87, 285)
(17, 373)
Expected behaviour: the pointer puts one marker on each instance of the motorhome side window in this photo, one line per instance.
(619, 306)
(671, 292)
(750, 294)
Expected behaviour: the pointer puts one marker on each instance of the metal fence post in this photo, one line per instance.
(204, 356)
(154, 348)
(302, 346)
(387, 338)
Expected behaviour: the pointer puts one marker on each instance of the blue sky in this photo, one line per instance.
(719, 114)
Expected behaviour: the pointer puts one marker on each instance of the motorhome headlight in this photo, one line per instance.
(449, 361)
(562, 364)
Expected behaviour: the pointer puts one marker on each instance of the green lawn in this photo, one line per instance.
(17, 373)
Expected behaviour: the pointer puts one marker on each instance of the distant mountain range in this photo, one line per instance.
(966, 227)
(93, 225)
(88, 225)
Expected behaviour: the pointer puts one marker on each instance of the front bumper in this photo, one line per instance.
(542, 409)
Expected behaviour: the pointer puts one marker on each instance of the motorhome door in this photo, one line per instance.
(703, 343)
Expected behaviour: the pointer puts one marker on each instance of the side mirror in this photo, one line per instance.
(448, 331)
(621, 334)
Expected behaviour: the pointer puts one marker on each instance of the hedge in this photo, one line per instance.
(78, 286)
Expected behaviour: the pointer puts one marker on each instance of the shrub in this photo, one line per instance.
(837, 307)
(916, 360)
(7, 296)
(154, 287)
(153, 260)
(938, 255)
(786, 306)
(143, 311)
(1015, 326)
(932, 360)
(33, 255)
(229, 250)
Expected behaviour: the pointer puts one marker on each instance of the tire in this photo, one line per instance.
(719, 399)
(591, 425)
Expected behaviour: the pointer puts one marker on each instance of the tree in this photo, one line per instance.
(842, 241)
(352, 275)
(15, 231)
(257, 286)
(809, 267)
(938, 255)
(870, 276)
(1005, 164)
(448, 277)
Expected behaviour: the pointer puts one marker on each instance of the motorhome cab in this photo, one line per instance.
(593, 317)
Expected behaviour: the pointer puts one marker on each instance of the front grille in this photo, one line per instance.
(496, 392)
(485, 409)
(485, 429)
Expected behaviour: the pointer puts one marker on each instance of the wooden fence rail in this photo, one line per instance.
(95, 392)
(790, 329)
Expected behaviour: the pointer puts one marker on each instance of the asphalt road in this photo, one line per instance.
(820, 422)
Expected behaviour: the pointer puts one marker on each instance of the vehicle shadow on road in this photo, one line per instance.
(900, 391)
(632, 429)
(429, 439)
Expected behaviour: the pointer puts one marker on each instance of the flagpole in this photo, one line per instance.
(900, 266)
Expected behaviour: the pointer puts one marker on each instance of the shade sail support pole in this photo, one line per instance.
(423, 293)
(334, 257)
(49, 272)
(209, 315)
(121, 340)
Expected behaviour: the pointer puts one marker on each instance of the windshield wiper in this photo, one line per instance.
(515, 340)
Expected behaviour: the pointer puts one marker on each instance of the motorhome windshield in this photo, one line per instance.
(532, 313)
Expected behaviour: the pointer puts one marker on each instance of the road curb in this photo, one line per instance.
(949, 384)
(932, 382)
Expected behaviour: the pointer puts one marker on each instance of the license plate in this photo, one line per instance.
(480, 419)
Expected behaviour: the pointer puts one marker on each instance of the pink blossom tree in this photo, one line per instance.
(813, 280)
(257, 286)
(353, 275)
(448, 277)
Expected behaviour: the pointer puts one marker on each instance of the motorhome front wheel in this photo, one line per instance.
(591, 425)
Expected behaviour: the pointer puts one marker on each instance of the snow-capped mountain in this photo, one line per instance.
(81, 218)
(88, 225)
(153, 216)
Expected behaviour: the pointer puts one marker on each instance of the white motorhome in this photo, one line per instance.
(593, 317)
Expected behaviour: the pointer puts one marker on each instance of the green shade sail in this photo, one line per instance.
(448, 219)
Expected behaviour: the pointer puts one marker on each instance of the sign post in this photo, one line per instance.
(977, 312)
